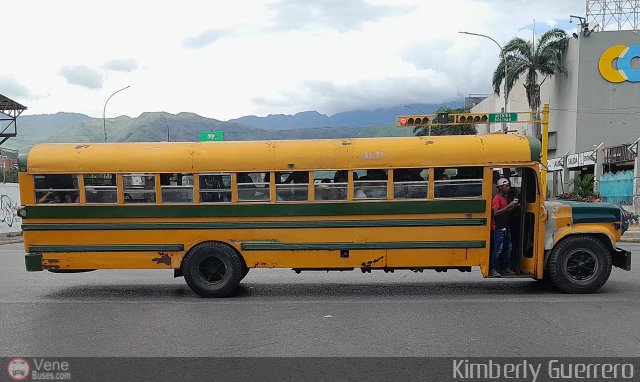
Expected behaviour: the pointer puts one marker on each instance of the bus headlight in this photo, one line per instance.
(22, 212)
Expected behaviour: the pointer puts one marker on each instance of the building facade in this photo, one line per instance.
(594, 121)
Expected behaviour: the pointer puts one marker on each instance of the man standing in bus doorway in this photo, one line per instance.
(501, 252)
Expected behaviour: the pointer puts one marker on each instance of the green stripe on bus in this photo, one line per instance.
(253, 225)
(249, 210)
(274, 246)
(107, 248)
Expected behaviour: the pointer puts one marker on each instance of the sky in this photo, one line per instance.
(226, 59)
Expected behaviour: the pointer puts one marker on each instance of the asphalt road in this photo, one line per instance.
(280, 313)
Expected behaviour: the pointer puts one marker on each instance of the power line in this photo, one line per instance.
(592, 111)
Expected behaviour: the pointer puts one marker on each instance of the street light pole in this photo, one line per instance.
(504, 60)
(104, 109)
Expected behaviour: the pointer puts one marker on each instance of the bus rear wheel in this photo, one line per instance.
(213, 269)
(579, 264)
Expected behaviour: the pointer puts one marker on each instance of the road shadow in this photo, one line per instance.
(123, 291)
(251, 290)
(399, 289)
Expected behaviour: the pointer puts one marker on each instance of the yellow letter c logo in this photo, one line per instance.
(624, 71)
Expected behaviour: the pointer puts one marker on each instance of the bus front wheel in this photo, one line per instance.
(213, 269)
(579, 264)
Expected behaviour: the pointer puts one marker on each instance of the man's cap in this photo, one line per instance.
(502, 182)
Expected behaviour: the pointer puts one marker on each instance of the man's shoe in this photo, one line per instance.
(508, 272)
(494, 273)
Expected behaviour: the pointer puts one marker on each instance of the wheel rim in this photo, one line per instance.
(212, 270)
(581, 266)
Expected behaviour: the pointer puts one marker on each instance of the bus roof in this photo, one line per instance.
(285, 155)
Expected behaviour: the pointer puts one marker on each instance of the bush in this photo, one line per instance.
(583, 191)
(633, 218)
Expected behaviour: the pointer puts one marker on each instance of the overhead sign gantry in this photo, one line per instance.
(9, 112)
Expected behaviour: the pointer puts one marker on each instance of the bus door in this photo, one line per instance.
(529, 202)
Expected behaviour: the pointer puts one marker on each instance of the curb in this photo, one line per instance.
(11, 241)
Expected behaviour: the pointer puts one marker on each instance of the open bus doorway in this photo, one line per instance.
(523, 220)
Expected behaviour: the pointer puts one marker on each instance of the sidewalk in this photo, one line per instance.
(10, 239)
(632, 235)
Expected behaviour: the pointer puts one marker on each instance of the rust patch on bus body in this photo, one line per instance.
(371, 262)
(82, 147)
(264, 265)
(164, 258)
(54, 261)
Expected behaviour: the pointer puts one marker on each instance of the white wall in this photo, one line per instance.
(10, 223)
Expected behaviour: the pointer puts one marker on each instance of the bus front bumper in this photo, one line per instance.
(33, 261)
(621, 259)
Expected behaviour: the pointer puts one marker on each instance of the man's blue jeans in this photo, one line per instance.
(501, 253)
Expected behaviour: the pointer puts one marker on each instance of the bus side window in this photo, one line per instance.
(292, 186)
(139, 188)
(371, 185)
(215, 188)
(330, 185)
(56, 188)
(253, 187)
(100, 188)
(176, 188)
(410, 183)
(458, 182)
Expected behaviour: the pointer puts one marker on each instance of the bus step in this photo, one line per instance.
(298, 270)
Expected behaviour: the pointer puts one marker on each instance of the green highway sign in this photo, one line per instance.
(208, 136)
(503, 117)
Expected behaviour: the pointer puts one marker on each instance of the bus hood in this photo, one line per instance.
(562, 213)
(584, 212)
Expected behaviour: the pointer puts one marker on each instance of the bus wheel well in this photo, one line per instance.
(216, 242)
(603, 238)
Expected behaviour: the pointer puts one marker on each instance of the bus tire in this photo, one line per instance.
(579, 264)
(213, 269)
(245, 272)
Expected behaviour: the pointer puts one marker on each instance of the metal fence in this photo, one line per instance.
(618, 187)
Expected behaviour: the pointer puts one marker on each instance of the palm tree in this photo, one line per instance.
(523, 57)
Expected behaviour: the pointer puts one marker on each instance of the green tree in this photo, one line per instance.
(469, 129)
(525, 57)
(10, 176)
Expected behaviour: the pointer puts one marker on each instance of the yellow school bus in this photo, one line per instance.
(211, 211)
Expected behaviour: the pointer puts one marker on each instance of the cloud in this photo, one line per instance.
(293, 15)
(336, 14)
(329, 97)
(82, 75)
(205, 38)
(122, 65)
(13, 89)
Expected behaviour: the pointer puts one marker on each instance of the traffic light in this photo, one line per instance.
(413, 120)
(472, 118)
(443, 118)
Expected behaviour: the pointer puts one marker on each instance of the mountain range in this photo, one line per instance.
(185, 127)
